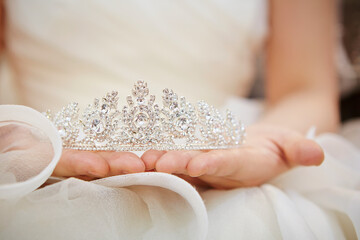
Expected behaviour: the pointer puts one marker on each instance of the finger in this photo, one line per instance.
(150, 157)
(216, 162)
(175, 161)
(250, 165)
(123, 162)
(295, 148)
(302, 151)
(74, 162)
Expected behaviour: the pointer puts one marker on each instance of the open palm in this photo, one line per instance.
(268, 152)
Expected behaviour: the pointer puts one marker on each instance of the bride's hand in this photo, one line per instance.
(268, 151)
(89, 165)
(83, 164)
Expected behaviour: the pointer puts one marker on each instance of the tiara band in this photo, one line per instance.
(142, 124)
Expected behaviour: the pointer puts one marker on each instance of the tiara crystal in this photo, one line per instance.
(142, 124)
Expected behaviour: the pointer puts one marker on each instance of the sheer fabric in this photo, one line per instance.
(20, 145)
(28, 155)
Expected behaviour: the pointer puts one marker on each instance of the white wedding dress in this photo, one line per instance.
(63, 50)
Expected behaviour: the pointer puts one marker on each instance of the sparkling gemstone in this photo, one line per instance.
(140, 101)
(62, 132)
(182, 124)
(173, 105)
(96, 126)
(141, 120)
(146, 91)
(217, 129)
(134, 92)
(96, 102)
(129, 100)
(104, 108)
(95, 122)
(208, 116)
(152, 99)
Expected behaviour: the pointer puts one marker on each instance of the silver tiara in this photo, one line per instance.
(143, 124)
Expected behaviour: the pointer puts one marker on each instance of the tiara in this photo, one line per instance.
(142, 124)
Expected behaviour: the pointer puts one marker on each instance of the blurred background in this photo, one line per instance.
(350, 103)
(348, 60)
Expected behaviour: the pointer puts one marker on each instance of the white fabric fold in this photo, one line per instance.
(172, 183)
(27, 115)
(194, 217)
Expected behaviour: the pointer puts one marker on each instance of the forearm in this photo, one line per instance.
(303, 109)
(301, 78)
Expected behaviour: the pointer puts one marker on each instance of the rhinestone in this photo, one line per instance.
(182, 124)
(96, 102)
(104, 108)
(208, 116)
(152, 99)
(62, 132)
(129, 100)
(173, 105)
(141, 120)
(217, 129)
(140, 101)
(96, 126)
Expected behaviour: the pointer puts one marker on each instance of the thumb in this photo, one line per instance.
(299, 150)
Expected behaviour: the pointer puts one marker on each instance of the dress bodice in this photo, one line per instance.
(66, 50)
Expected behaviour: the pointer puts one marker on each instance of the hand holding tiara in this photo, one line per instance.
(142, 124)
(178, 125)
